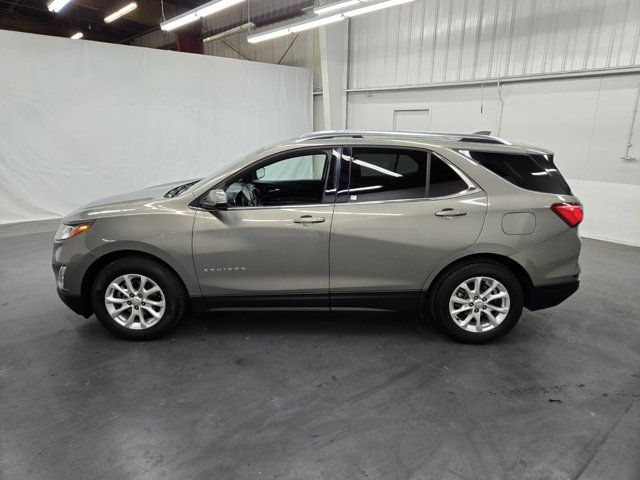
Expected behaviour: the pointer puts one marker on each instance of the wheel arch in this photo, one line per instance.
(94, 269)
(518, 270)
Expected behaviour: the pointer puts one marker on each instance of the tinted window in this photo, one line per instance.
(294, 180)
(386, 174)
(525, 171)
(546, 161)
(306, 167)
(443, 180)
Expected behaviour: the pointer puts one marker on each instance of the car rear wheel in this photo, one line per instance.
(477, 302)
(138, 299)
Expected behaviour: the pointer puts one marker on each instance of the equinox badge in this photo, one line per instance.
(225, 269)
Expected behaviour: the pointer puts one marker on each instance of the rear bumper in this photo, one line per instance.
(550, 295)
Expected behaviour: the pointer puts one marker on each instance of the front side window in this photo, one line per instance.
(294, 180)
(306, 167)
(386, 174)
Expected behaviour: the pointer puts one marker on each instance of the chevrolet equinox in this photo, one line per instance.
(467, 229)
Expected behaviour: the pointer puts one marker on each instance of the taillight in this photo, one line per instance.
(570, 212)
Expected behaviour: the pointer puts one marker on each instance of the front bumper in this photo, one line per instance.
(550, 295)
(76, 303)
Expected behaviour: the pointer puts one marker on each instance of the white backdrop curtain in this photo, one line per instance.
(80, 120)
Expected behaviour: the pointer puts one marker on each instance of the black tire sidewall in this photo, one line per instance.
(166, 280)
(451, 280)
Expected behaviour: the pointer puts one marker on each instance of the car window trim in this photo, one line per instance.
(463, 193)
(277, 207)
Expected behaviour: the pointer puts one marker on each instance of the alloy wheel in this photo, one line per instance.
(135, 301)
(479, 304)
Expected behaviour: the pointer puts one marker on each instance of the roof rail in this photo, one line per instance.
(460, 137)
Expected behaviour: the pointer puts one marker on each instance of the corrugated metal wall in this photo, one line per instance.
(439, 41)
(296, 51)
(443, 41)
(259, 11)
(301, 50)
(155, 39)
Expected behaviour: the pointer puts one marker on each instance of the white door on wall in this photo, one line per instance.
(417, 120)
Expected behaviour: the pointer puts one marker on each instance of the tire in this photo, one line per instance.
(443, 302)
(161, 303)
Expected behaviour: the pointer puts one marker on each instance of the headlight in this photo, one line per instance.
(68, 231)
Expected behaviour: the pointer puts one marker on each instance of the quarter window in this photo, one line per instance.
(532, 172)
(443, 180)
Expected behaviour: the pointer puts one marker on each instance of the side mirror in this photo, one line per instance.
(215, 200)
(260, 173)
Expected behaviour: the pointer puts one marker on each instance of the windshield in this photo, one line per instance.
(228, 169)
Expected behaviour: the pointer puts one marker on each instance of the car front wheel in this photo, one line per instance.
(138, 299)
(477, 302)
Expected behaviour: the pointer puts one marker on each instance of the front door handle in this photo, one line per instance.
(307, 219)
(450, 212)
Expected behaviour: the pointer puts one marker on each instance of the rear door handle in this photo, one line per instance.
(307, 219)
(450, 212)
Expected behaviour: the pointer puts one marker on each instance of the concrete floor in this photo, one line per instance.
(318, 396)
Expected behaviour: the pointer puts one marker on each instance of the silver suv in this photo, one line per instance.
(465, 228)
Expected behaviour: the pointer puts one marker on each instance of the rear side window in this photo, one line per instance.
(378, 174)
(532, 172)
(387, 174)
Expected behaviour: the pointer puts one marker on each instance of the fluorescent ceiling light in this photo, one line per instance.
(308, 22)
(207, 9)
(76, 36)
(57, 5)
(215, 6)
(316, 23)
(332, 7)
(268, 35)
(179, 21)
(311, 21)
(374, 7)
(228, 33)
(119, 13)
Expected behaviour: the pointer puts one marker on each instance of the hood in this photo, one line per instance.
(124, 203)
